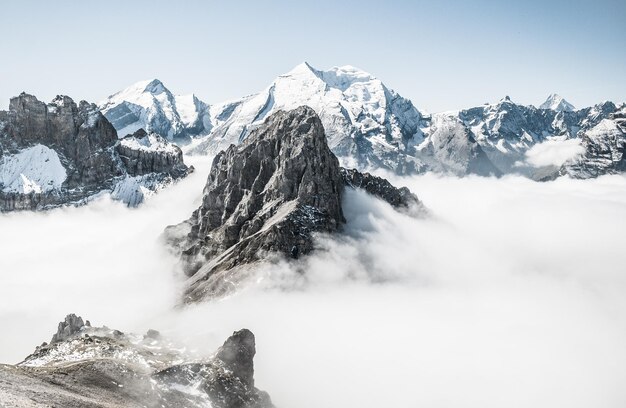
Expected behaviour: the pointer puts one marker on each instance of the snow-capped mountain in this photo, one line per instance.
(507, 130)
(151, 106)
(557, 103)
(604, 148)
(368, 125)
(365, 122)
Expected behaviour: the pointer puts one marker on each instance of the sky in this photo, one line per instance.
(442, 55)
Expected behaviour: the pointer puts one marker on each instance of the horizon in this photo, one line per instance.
(173, 91)
(442, 56)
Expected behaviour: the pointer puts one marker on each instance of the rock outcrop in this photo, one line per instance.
(61, 153)
(269, 195)
(100, 367)
(604, 149)
(68, 327)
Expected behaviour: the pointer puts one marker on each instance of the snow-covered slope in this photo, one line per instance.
(365, 122)
(151, 106)
(35, 169)
(557, 103)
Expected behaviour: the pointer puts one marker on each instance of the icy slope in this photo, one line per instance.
(35, 169)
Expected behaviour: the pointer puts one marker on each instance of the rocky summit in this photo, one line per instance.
(98, 367)
(270, 194)
(63, 153)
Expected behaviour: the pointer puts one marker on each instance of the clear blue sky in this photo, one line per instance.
(440, 54)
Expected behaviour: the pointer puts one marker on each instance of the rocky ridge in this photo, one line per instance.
(63, 153)
(98, 367)
(269, 195)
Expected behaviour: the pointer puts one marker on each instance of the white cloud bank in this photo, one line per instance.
(512, 295)
(553, 152)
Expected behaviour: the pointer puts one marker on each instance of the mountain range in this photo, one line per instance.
(370, 126)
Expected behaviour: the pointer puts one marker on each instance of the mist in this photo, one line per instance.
(510, 294)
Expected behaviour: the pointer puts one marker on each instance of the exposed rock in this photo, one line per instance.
(604, 149)
(381, 188)
(144, 153)
(99, 367)
(62, 153)
(67, 328)
(270, 194)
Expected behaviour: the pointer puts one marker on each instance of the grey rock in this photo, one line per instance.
(139, 162)
(107, 368)
(269, 195)
(71, 325)
(88, 149)
(381, 188)
(604, 149)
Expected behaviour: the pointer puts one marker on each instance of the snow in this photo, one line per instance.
(349, 101)
(187, 109)
(557, 103)
(150, 143)
(132, 191)
(36, 169)
(154, 108)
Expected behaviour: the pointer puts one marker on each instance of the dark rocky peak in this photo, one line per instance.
(269, 195)
(381, 188)
(70, 326)
(237, 354)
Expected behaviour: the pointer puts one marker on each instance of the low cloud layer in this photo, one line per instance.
(553, 152)
(512, 294)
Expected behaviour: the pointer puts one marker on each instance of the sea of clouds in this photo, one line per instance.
(512, 293)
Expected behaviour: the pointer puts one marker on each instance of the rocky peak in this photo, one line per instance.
(61, 152)
(102, 367)
(237, 354)
(155, 87)
(71, 325)
(270, 194)
(557, 103)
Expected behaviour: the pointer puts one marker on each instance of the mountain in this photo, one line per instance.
(149, 105)
(97, 367)
(367, 124)
(269, 194)
(604, 148)
(557, 103)
(507, 130)
(63, 153)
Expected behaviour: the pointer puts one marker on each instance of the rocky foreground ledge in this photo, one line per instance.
(271, 194)
(97, 367)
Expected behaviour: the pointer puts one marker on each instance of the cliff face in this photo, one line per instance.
(604, 149)
(270, 194)
(62, 153)
(98, 367)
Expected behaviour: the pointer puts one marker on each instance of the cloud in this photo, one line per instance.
(511, 295)
(553, 152)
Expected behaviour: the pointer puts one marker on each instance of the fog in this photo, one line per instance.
(510, 294)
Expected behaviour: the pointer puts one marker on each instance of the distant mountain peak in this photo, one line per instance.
(155, 86)
(557, 103)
